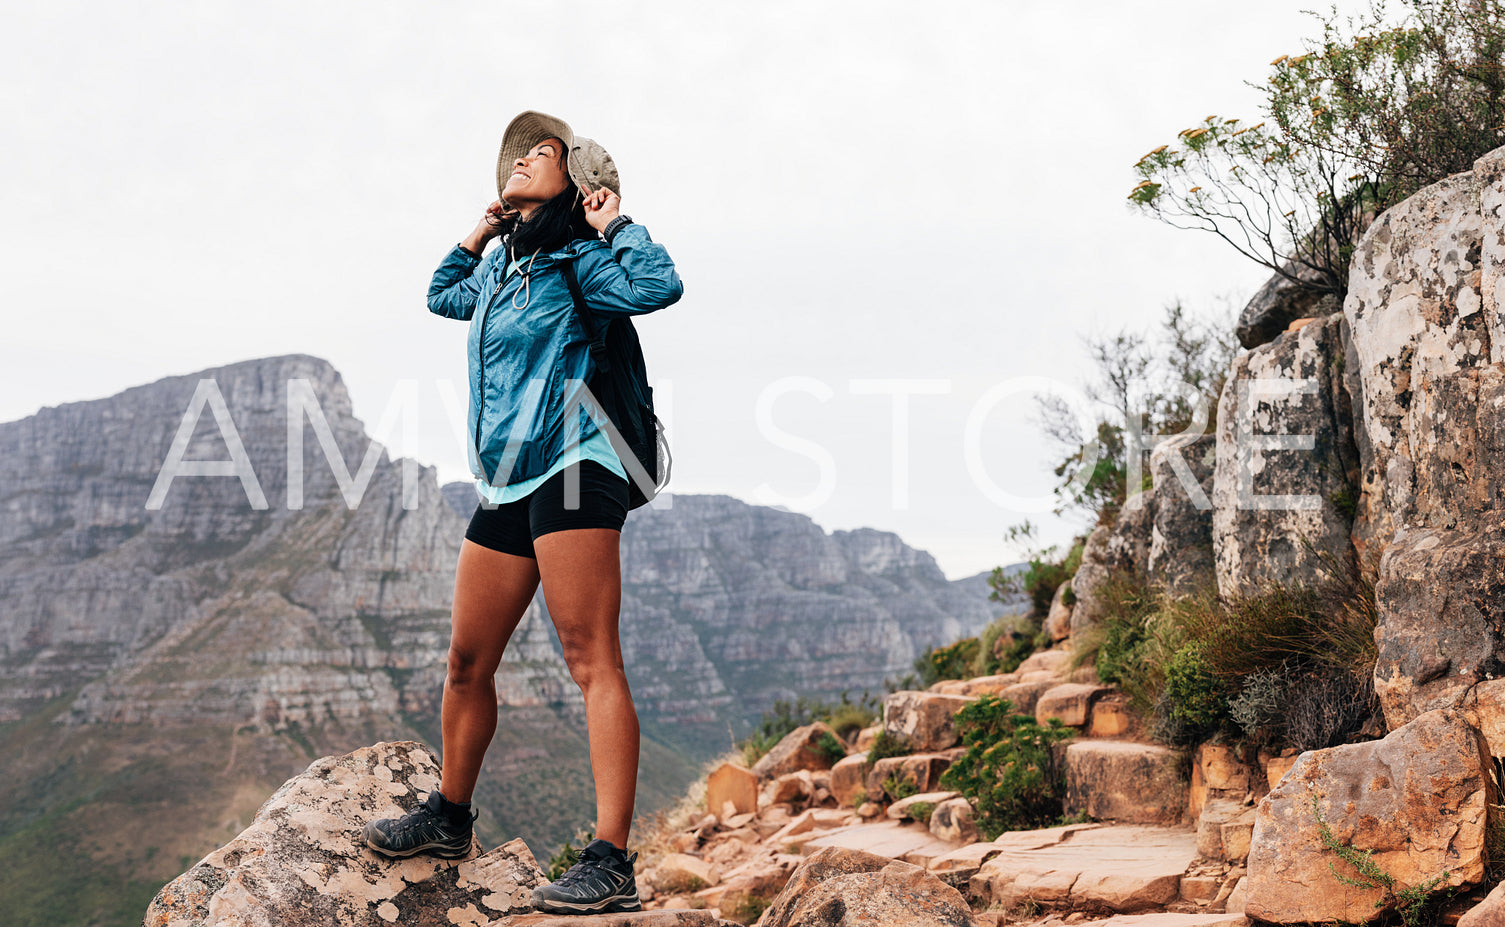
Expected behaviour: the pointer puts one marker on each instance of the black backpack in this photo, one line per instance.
(620, 384)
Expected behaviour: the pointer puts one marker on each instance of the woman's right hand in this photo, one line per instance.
(497, 221)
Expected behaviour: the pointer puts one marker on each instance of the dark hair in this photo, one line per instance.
(552, 225)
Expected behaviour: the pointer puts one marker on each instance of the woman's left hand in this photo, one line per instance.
(601, 207)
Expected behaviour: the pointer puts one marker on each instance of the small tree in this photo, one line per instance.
(1153, 385)
(1363, 118)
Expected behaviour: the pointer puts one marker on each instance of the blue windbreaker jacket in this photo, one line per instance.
(529, 366)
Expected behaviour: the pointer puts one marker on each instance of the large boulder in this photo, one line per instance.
(800, 749)
(923, 720)
(839, 887)
(1283, 487)
(1126, 782)
(1058, 619)
(1422, 303)
(1417, 801)
(1441, 629)
(1182, 470)
(1456, 447)
(1128, 544)
(303, 860)
(1280, 302)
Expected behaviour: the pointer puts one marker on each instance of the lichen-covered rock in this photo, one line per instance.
(1286, 462)
(303, 860)
(1456, 447)
(1417, 800)
(1128, 544)
(923, 720)
(1278, 303)
(1182, 470)
(1417, 309)
(1441, 628)
(844, 888)
(1088, 582)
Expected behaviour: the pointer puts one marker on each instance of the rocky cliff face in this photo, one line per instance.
(266, 635)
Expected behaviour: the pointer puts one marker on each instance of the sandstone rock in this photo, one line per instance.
(912, 843)
(1222, 818)
(1125, 782)
(1110, 717)
(304, 858)
(1182, 470)
(1025, 696)
(1172, 920)
(1070, 703)
(982, 685)
(1058, 619)
(1239, 897)
(836, 888)
(953, 822)
(1089, 580)
(923, 720)
(922, 770)
(798, 750)
(732, 783)
(1277, 767)
(1441, 596)
(1488, 913)
(899, 810)
(849, 776)
(869, 810)
(1222, 769)
(794, 786)
(806, 825)
(865, 738)
(1056, 663)
(1484, 709)
(1269, 491)
(677, 873)
(1417, 800)
(1124, 868)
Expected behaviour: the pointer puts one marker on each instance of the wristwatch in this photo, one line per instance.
(614, 226)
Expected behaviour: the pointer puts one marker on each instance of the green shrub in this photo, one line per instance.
(847, 718)
(830, 748)
(921, 811)
(898, 789)
(1008, 770)
(954, 661)
(1196, 705)
(1006, 643)
(859, 798)
(844, 716)
(1041, 575)
(886, 745)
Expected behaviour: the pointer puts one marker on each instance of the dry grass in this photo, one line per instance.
(655, 832)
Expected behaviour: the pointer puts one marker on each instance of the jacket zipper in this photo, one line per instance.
(481, 366)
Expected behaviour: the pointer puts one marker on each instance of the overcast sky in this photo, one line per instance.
(860, 197)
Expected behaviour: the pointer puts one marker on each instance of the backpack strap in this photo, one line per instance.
(597, 334)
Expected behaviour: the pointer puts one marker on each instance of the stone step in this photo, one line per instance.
(1125, 782)
(1123, 868)
(911, 843)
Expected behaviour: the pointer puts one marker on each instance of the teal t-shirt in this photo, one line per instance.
(597, 447)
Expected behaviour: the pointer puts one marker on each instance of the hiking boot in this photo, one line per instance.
(599, 883)
(429, 828)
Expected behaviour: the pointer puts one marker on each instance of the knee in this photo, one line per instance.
(465, 669)
(590, 667)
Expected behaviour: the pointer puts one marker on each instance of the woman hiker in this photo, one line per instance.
(529, 360)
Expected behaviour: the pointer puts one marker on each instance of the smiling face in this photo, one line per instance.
(537, 177)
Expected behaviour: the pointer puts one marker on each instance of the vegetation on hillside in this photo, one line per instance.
(1367, 114)
(1285, 666)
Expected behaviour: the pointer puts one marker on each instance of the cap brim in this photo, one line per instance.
(527, 129)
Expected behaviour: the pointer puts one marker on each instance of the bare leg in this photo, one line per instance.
(492, 591)
(582, 585)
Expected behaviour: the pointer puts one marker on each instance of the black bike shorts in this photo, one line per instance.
(512, 526)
